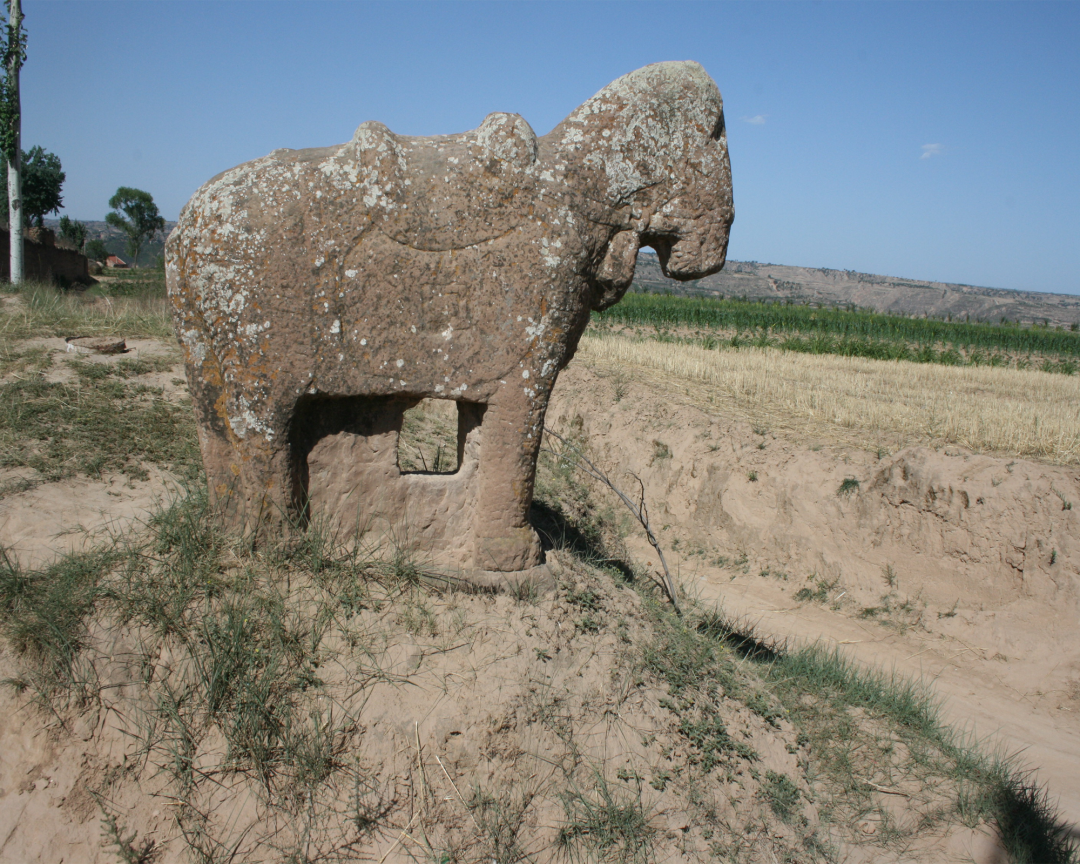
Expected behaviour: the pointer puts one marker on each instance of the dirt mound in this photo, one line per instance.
(384, 720)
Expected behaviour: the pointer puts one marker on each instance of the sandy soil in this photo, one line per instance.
(983, 553)
(963, 569)
(56, 518)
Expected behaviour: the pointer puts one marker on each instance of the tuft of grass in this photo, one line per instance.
(849, 486)
(820, 590)
(661, 451)
(901, 614)
(247, 651)
(1066, 504)
(607, 822)
(499, 819)
(44, 616)
(783, 795)
(620, 386)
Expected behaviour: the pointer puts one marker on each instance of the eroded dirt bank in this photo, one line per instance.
(961, 568)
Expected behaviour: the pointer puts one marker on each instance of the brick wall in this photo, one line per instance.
(43, 260)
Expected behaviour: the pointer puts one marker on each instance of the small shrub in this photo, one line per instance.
(620, 387)
(820, 591)
(890, 576)
(126, 850)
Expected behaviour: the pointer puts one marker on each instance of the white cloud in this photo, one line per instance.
(929, 150)
(757, 119)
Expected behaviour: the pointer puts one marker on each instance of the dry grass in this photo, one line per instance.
(43, 310)
(1017, 412)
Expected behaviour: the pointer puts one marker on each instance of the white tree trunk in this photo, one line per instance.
(15, 209)
(15, 217)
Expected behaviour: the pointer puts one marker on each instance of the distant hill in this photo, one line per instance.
(116, 242)
(810, 285)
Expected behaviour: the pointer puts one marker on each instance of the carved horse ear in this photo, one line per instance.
(616, 271)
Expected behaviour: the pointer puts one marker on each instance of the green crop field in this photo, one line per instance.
(714, 323)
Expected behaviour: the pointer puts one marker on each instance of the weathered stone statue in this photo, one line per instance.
(319, 294)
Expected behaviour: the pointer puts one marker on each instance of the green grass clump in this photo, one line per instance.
(247, 652)
(848, 487)
(611, 823)
(781, 793)
(43, 616)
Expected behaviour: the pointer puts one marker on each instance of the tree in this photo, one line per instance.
(143, 220)
(73, 231)
(13, 48)
(96, 251)
(42, 179)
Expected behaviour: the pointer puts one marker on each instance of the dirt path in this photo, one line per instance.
(961, 569)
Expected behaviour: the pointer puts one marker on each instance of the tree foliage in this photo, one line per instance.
(73, 231)
(143, 219)
(13, 54)
(95, 250)
(42, 181)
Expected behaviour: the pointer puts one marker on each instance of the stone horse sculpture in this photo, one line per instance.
(320, 293)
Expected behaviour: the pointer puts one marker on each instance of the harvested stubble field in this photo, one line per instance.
(174, 693)
(999, 410)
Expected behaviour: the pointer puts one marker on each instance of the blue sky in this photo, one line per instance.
(927, 140)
